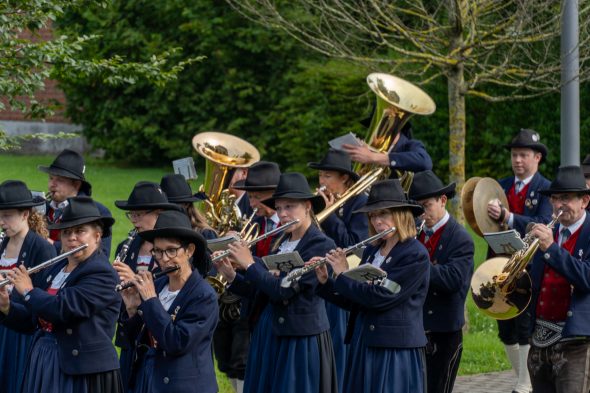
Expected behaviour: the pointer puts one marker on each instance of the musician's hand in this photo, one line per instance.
(321, 271)
(124, 271)
(495, 211)
(240, 254)
(337, 259)
(131, 299)
(224, 267)
(364, 155)
(4, 300)
(544, 234)
(21, 280)
(144, 283)
(329, 198)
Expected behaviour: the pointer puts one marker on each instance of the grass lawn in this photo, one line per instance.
(482, 352)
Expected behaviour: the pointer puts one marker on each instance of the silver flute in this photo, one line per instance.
(47, 263)
(259, 238)
(296, 274)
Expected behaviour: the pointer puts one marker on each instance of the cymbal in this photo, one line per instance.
(467, 203)
(486, 190)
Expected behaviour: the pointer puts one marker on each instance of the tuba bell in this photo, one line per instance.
(222, 153)
(397, 101)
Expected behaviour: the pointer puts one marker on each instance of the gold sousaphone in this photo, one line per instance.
(397, 101)
(222, 153)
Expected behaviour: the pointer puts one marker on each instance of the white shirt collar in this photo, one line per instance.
(524, 181)
(574, 227)
(60, 205)
(274, 218)
(440, 222)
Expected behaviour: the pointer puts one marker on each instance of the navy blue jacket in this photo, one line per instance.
(576, 270)
(297, 311)
(34, 250)
(538, 210)
(105, 244)
(393, 320)
(130, 260)
(183, 361)
(409, 155)
(450, 275)
(346, 228)
(244, 206)
(83, 313)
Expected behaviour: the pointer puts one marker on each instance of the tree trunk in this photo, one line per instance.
(456, 97)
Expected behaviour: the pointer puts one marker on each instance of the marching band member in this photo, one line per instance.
(179, 192)
(560, 273)
(171, 320)
(74, 315)
(291, 347)
(386, 334)
(232, 338)
(451, 252)
(345, 228)
(407, 154)
(525, 205)
(145, 203)
(586, 169)
(25, 243)
(66, 180)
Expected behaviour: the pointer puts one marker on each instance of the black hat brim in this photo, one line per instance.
(448, 190)
(551, 191)
(124, 205)
(317, 165)
(541, 148)
(317, 202)
(417, 210)
(186, 199)
(22, 205)
(59, 172)
(107, 223)
(241, 185)
(182, 234)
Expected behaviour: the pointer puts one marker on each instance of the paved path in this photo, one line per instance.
(500, 382)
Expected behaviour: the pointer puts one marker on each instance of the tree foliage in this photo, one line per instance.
(29, 59)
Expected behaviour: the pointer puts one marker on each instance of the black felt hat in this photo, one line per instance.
(262, 176)
(82, 210)
(335, 160)
(388, 194)
(14, 194)
(586, 166)
(426, 185)
(146, 195)
(568, 179)
(295, 186)
(528, 139)
(174, 224)
(69, 164)
(178, 190)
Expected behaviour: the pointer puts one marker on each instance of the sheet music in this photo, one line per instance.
(221, 243)
(283, 262)
(366, 272)
(505, 242)
(346, 139)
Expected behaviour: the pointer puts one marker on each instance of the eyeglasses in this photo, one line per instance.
(170, 252)
(134, 215)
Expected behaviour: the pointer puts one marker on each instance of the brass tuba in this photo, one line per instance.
(501, 287)
(397, 101)
(222, 153)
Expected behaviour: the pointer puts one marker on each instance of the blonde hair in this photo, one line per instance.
(403, 220)
(37, 223)
(198, 222)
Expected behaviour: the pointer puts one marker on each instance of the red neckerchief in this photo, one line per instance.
(516, 202)
(53, 233)
(555, 296)
(263, 246)
(433, 240)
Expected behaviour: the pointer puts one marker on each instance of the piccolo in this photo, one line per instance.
(258, 239)
(296, 274)
(47, 263)
(156, 275)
